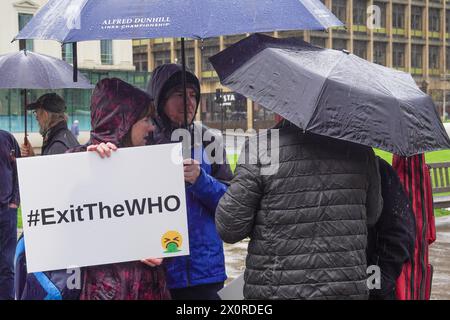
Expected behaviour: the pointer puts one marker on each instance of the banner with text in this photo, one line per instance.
(80, 210)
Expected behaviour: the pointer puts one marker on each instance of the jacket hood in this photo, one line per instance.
(166, 77)
(115, 107)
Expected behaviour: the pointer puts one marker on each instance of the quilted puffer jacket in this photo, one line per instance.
(307, 218)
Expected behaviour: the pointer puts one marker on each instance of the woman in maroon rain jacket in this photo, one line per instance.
(121, 115)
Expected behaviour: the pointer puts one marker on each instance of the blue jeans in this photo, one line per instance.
(8, 240)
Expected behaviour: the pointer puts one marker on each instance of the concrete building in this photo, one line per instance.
(408, 35)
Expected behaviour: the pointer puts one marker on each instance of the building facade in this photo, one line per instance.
(96, 60)
(412, 36)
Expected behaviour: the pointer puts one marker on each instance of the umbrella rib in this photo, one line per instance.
(403, 126)
(46, 73)
(322, 91)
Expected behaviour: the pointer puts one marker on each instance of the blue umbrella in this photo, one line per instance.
(29, 70)
(70, 21)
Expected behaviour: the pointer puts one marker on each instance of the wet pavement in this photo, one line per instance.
(235, 255)
(439, 257)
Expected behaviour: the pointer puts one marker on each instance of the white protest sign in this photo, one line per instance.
(80, 210)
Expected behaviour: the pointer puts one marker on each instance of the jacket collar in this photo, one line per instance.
(53, 131)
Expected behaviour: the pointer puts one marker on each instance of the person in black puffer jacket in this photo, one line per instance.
(307, 220)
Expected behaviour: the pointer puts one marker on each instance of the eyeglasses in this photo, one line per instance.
(38, 111)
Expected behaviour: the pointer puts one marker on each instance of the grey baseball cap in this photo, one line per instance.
(50, 102)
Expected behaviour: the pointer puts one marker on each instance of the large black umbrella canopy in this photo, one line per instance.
(30, 70)
(334, 93)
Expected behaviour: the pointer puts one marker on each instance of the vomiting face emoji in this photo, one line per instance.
(171, 241)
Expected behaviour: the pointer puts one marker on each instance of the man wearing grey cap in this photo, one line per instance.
(49, 111)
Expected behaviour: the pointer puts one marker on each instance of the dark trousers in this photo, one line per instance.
(8, 240)
(202, 292)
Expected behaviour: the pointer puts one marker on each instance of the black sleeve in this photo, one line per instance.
(374, 201)
(393, 237)
(56, 147)
(236, 212)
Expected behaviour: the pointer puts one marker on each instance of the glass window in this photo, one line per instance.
(398, 16)
(360, 49)
(339, 44)
(106, 49)
(359, 12)
(190, 58)
(208, 52)
(416, 18)
(5, 110)
(398, 55)
(23, 20)
(447, 61)
(161, 57)
(434, 20)
(230, 113)
(140, 63)
(416, 56)
(339, 9)
(447, 21)
(140, 57)
(379, 53)
(67, 53)
(433, 57)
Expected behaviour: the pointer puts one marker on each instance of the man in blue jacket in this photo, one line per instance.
(9, 202)
(201, 274)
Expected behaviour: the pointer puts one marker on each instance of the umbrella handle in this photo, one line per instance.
(25, 103)
(75, 61)
(183, 81)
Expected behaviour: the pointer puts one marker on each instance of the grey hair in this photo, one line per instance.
(56, 117)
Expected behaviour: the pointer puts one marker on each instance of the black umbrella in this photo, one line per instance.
(334, 93)
(28, 70)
